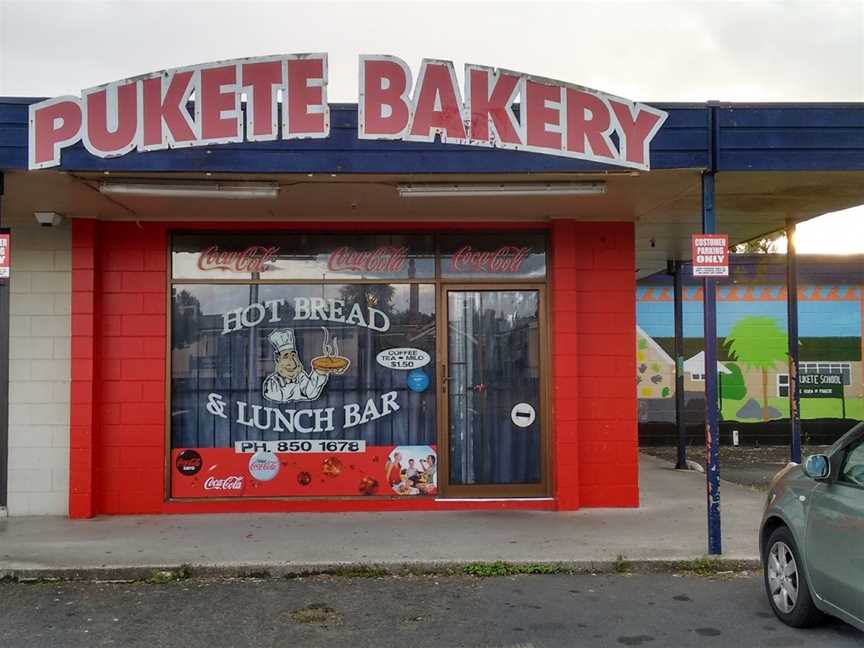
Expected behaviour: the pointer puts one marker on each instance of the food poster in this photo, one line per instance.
(303, 390)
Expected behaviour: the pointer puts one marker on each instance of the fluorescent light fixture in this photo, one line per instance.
(503, 189)
(192, 189)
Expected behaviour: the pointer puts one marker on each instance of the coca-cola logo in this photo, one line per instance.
(255, 258)
(507, 258)
(388, 259)
(189, 463)
(234, 482)
(264, 466)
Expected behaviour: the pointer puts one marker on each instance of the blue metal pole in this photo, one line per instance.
(712, 411)
(680, 422)
(792, 333)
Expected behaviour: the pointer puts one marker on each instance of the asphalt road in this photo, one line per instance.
(512, 612)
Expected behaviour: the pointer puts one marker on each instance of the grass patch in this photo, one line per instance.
(260, 574)
(362, 571)
(162, 576)
(708, 567)
(370, 571)
(501, 568)
(621, 565)
(315, 613)
(811, 408)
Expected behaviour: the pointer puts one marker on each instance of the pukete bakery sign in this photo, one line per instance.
(285, 97)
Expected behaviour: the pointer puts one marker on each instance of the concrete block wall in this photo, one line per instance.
(39, 367)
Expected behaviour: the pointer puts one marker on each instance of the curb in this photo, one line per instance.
(166, 573)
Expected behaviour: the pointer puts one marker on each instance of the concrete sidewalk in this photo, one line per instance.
(670, 525)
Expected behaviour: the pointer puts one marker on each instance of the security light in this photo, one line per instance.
(48, 218)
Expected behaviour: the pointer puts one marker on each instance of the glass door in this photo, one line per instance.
(493, 393)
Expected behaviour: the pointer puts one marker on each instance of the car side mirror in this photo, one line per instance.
(817, 467)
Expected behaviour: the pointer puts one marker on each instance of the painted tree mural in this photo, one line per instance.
(732, 385)
(759, 344)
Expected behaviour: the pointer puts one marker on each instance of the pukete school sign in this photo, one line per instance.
(151, 112)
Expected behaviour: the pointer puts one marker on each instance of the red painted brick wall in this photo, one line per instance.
(593, 348)
(119, 340)
(132, 330)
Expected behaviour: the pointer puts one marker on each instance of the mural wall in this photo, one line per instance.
(752, 344)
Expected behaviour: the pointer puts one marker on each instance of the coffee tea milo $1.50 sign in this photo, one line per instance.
(403, 358)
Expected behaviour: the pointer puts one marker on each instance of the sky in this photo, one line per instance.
(780, 50)
(840, 232)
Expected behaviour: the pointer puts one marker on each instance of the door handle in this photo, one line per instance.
(444, 373)
(445, 378)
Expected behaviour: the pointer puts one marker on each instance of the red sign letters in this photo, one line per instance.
(556, 118)
(388, 259)
(255, 258)
(150, 112)
(507, 258)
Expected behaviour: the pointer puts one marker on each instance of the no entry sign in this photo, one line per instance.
(710, 255)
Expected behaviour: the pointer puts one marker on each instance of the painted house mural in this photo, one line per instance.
(655, 368)
(752, 355)
(694, 372)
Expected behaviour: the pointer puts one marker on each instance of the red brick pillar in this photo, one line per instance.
(131, 366)
(83, 407)
(566, 264)
(593, 307)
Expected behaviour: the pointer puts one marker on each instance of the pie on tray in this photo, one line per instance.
(330, 363)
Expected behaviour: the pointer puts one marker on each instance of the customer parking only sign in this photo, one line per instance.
(710, 255)
(5, 254)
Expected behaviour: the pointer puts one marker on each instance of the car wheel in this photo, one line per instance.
(785, 582)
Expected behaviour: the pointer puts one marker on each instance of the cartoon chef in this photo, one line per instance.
(289, 382)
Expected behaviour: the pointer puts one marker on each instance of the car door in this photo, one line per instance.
(835, 535)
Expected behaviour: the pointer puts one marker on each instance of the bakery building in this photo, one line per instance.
(227, 294)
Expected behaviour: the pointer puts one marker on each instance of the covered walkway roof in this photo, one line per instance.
(773, 162)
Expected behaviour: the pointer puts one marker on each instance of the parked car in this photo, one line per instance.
(812, 536)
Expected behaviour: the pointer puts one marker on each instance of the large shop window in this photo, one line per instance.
(304, 365)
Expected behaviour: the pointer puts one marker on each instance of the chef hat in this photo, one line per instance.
(283, 340)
